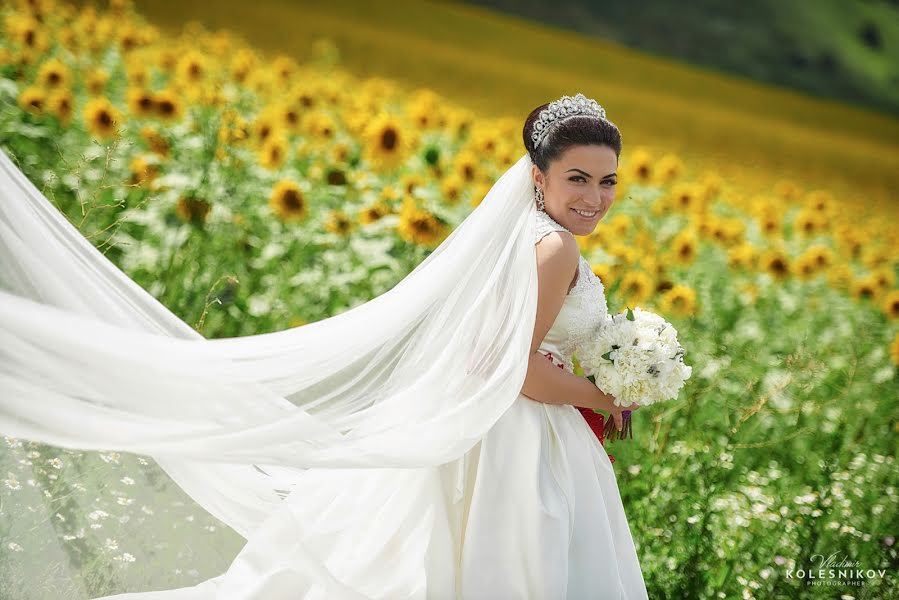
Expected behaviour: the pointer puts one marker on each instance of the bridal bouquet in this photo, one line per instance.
(636, 358)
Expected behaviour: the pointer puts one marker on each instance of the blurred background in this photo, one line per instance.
(263, 165)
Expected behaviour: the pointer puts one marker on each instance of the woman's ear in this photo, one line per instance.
(537, 176)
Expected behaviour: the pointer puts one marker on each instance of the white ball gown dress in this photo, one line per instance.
(532, 511)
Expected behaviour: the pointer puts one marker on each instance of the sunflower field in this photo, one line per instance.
(253, 192)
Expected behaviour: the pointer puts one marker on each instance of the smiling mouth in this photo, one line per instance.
(586, 214)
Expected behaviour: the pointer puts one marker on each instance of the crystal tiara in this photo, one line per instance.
(564, 107)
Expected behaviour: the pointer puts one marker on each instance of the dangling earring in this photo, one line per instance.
(538, 196)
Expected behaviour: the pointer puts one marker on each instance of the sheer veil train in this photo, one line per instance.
(407, 383)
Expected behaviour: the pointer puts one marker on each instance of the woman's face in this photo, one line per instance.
(582, 179)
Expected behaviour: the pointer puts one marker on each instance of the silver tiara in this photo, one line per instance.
(564, 107)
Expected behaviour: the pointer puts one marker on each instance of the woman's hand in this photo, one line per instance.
(615, 413)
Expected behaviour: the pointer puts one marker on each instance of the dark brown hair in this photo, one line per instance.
(572, 131)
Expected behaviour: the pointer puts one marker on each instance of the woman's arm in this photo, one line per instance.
(546, 382)
(558, 256)
(557, 261)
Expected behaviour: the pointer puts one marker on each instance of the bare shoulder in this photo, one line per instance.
(559, 249)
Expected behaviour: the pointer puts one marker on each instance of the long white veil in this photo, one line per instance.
(411, 379)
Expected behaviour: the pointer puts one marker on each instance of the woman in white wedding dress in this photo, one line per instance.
(515, 500)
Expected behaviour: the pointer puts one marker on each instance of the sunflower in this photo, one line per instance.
(95, 81)
(33, 99)
(321, 125)
(141, 102)
(386, 143)
(787, 190)
(679, 300)
(284, 68)
(890, 305)
(742, 256)
(101, 117)
(840, 276)
(373, 212)
(451, 188)
(242, 64)
(710, 186)
(54, 74)
(273, 153)
(339, 222)
(684, 196)
(805, 266)
(605, 272)
(639, 166)
(419, 226)
(287, 201)
(684, 247)
(411, 182)
(669, 168)
(775, 263)
(62, 105)
(423, 107)
(636, 287)
(479, 192)
(265, 126)
(340, 152)
(466, 165)
(864, 288)
(807, 223)
(884, 276)
(894, 351)
(167, 105)
(770, 223)
(154, 140)
(819, 201)
(143, 170)
(137, 72)
(822, 255)
(191, 67)
(192, 210)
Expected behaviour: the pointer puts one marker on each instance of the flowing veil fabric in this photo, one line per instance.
(395, 390)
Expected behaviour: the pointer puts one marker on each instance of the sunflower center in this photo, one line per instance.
(389, 139)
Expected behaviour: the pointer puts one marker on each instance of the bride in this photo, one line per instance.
(431, 443)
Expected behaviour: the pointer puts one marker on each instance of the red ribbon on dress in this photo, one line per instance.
(595, 420)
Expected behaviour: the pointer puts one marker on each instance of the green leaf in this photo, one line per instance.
(630, 314)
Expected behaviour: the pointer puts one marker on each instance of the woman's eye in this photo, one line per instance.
(611, 181)
(577, 177)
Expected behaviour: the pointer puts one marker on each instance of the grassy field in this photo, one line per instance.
(751, 134)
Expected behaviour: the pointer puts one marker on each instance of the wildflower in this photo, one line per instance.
(339, 223)
(680, 300)
(61, 105)
(101, 118)
(386, 144)
(192, 210)
(287, 201)
(33, 99)
(167, 105)
(419, 226)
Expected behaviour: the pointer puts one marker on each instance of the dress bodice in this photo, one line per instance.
(584, 310)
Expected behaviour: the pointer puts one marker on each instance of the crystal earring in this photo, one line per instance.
(538, 196)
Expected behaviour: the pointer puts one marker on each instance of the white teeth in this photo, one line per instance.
(584, 214)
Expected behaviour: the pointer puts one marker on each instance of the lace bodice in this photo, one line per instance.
(584, 310)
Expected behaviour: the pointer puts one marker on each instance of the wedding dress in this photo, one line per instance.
(386, 452)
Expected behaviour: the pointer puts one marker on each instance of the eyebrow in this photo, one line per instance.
(588, 174)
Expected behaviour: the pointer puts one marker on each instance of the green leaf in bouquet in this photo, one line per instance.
(608, 356)
(630, 314)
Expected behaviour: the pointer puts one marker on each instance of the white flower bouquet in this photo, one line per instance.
(637, 359)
